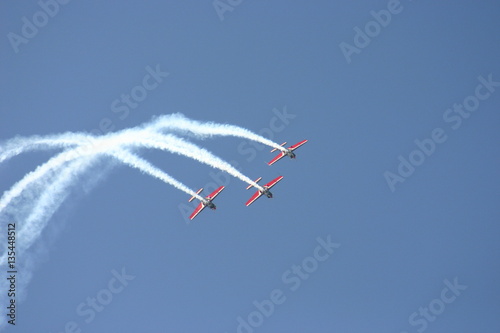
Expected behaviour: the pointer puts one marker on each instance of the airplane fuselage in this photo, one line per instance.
(290, 153)
(266, 192)
(210, 204)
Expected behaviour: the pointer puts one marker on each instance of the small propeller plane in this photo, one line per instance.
(265, 192)
(206, 202)
(288, 152)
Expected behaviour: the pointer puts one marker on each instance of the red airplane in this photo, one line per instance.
(266, 191)
(206, 202)
(289, 152)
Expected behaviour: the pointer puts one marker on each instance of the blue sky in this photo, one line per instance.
(396, 252)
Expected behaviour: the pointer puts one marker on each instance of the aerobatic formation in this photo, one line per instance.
(33, 200)
(261, 190)
(36, 197)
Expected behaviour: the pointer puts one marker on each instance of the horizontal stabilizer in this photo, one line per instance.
(284, 143)
(257, 180)
(193, 197)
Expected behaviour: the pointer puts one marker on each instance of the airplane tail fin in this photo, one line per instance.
(284, 143)
(193, 197)
(257, 180)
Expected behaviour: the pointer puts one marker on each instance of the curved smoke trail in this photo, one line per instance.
(178, 122)
(44, 189)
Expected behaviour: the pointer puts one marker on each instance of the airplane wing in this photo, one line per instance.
(197, 211)
(297, 145)
(215, 193)
(277, 158)
(253, 198)
(274, 182)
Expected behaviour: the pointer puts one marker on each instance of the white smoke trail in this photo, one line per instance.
(31, 226)
(143, 165)
(74, 161)
(178, 122)
(87, 144)
(21, 145)
(108, 144)
(174, 122)
(99, 145)
(52, 165)
(125, 138)
(102, 145)
(52, 197)
(177, 145)
(55, 193)
(29, 229)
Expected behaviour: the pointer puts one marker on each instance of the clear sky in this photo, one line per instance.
(411, 250)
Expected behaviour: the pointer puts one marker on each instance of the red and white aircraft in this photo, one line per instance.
(266, 191)
(206, 202)
(288, 152)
